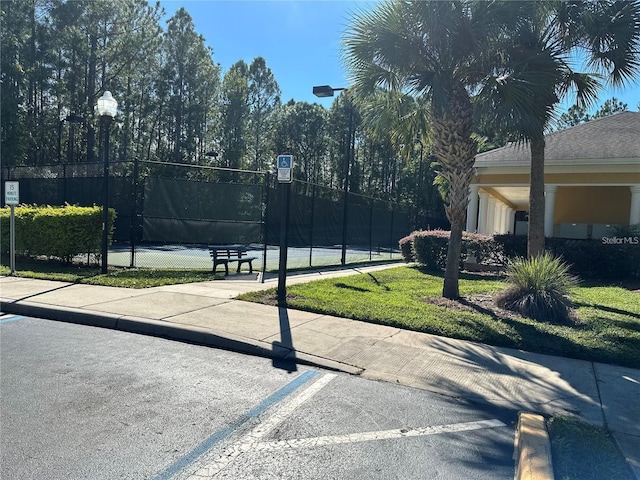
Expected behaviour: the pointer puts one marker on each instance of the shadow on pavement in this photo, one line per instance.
(286, 361)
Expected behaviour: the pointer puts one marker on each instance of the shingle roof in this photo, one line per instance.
(615, 136)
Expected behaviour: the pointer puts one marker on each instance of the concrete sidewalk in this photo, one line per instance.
(206, 313)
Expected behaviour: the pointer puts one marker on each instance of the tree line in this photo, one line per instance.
(177, 107)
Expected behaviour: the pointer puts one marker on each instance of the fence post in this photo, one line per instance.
(391, 232)
(371, 231)
(265, 227)
(313, 208)
(343, 258)
(134, 212)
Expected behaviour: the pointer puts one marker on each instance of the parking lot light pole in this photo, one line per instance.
(107, 108)
(323, 91)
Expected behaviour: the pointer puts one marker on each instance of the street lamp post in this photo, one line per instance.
(323, 91)
(107, 108)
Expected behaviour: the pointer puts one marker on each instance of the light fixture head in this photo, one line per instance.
(107, 105)
(323, 91)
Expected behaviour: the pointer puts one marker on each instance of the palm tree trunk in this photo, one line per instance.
(535, 241)
(450, 288)
(455, 150)
(458, 182)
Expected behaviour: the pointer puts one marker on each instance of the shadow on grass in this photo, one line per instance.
(581, 450)
(611, 310)
(377, 282)
(351, 287)
(54, 266)
(463, 275)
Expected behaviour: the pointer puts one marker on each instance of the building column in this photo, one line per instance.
(499, 217)
(505, 218)
(549, 208)
(491, 215)
(472, 208)
(482, 211)
(511, 228)
(634, 215)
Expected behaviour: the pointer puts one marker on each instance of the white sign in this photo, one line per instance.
(11, 193)
(285, 168)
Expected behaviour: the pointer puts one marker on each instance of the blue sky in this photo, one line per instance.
(299, 39)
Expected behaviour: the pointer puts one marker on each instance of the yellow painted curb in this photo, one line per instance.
(532, 448)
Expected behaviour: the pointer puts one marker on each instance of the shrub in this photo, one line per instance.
(59, 232)
(483, 247)
(538, 288)
(429, 248)
(406, 248)
(615, 257)
(513, 246)
(596, 259)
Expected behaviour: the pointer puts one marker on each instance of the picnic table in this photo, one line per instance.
(225, 254)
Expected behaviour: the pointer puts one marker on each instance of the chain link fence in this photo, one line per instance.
(168, 214)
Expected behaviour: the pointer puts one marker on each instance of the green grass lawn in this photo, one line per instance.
(116, 277)
(581, 451)
(607, 328)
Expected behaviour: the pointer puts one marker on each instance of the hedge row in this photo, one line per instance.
(616, 257)
(56, 232)
(429, 248)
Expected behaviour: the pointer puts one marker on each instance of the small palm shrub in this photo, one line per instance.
(539, 288)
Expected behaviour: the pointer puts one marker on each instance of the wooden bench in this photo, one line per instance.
(224, 254)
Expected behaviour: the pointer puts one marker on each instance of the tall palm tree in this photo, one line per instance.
(433, 49)
(541, 42)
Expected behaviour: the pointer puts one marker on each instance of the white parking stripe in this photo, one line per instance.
(371, 436)
(248, 441)
(262, 429)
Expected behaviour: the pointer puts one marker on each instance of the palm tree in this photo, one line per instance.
(542, 40)
(432, 49)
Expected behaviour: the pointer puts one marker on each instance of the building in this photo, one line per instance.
(592, 181)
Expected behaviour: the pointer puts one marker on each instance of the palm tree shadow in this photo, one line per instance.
(546, 385)
(479, 308)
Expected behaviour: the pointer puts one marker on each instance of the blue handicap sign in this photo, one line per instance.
(284, 161)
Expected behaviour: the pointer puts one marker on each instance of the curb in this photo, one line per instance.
(532, 448)
(173, 331)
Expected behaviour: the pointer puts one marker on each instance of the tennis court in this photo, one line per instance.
(197, 256)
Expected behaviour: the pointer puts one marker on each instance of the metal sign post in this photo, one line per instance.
(285, 177)
(12, 198)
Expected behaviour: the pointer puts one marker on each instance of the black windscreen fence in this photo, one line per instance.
(175, 211)
(318, 219)
(184, 211)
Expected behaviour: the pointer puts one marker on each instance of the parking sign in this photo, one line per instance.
(285, 168)
(11, 193)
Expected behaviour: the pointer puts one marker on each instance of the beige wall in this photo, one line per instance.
(592, 205)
